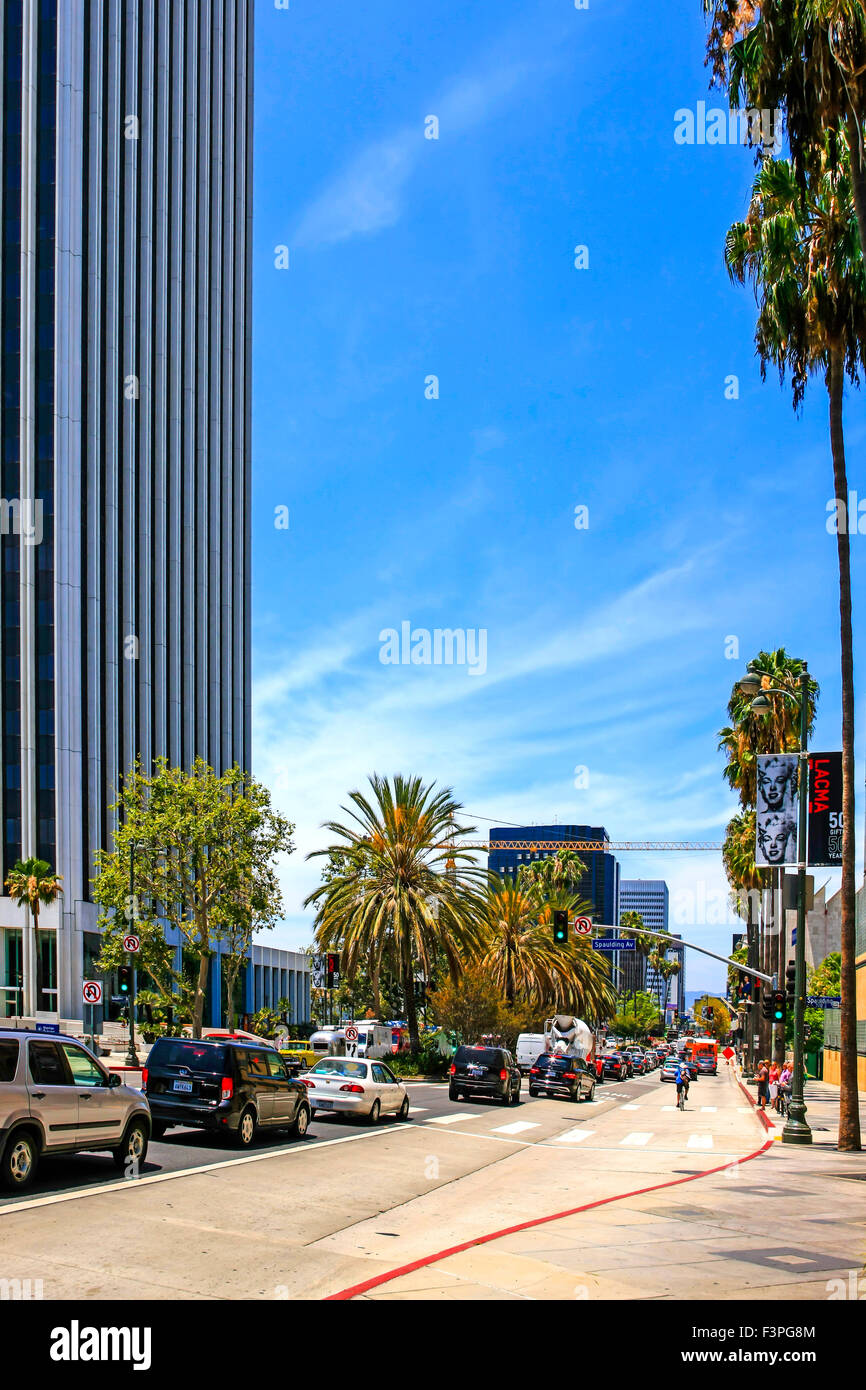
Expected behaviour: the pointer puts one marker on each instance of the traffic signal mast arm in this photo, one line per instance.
(678, 941)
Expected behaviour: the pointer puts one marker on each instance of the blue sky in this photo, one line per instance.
(559, 387)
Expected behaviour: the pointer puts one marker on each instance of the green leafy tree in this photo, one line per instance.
(474, 1006)
(33, 884)
(638, 1019)
(202, 849)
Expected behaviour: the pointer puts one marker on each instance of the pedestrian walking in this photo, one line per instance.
(763, 1085)
(775, 1073)
(785, 1078)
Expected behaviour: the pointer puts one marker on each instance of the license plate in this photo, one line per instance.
(182, 1086)
(476, 1071)
(324, 1104)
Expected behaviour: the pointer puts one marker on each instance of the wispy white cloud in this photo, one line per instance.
(369, 193)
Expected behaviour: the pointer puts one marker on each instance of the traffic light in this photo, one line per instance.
(124, 980)
(778, 1014)
(560, 926)
(791, 982)
(767, 1006)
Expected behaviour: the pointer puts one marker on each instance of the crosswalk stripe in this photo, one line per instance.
(451, 1119)
(573, 1136)
(631, 1107)
(669, 1107)
(419, 1109)
(709, 1109)
(637, 1139)
(700, 1141)
(517, 1128)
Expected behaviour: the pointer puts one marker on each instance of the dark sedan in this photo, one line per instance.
(562, 1076)
(615, 1064)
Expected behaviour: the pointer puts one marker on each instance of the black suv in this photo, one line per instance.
(561, 1076)
(484, 1071)
(229, 1088)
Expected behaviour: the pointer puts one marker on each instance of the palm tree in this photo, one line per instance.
(775, 731)
(406, 886)
(800, 249)
(530, 968)
(805, 58)
(33, 884)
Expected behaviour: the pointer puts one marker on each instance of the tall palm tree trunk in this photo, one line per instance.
(411, 1009)
(37, 962)
(858, 177)
(849, 1114)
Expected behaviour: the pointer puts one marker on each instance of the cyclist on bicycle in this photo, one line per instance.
(683, 1079)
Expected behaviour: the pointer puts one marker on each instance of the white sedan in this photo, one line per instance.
(350, 1086)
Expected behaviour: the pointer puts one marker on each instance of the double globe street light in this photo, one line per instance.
(796, 1129)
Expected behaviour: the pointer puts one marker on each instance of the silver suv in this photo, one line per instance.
(56, 1098)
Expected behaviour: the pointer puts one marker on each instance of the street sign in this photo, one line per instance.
(91, 992)
(582, 925)
(132, 943)
(823, 1001)
(351, 1033)
(613, 943)
(48, 1027)
(728, 1052)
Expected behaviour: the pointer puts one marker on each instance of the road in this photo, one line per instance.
(308, 1218)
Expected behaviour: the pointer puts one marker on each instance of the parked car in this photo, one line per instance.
(615, 1064)
(57, 1098)
(562, 1076)
(484, 1071)
(356, 1086)
(228, 1087)
(529, 1047)
(298, 1054)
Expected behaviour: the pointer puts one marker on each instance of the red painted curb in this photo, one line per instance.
(345, 1294)
(759, 1114)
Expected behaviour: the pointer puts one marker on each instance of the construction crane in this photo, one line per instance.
(698, 846)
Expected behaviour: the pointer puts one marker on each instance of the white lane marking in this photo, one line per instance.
(133, 1184)
(517, 1128)
(419, 1109)
(631, 1107)
(452, 1119)
(637, 1139)
(709, 1109)
(700, 1141)
(573, 1136)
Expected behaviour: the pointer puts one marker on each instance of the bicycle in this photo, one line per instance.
(784, 1103)
(681, 1098)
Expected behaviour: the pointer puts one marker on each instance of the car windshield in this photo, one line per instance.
(479, 1056)
(195, 1056)
(340, 1066)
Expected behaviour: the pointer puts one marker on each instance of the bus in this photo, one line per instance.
(704, 1051)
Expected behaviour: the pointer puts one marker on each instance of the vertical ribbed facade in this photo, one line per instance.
(125, 176)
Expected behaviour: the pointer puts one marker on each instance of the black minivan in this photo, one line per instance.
(231, 1088)
(484, 1071)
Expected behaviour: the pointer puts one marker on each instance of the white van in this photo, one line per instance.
(529, 1047)
(374, 1039)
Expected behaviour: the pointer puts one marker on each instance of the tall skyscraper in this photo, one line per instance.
(600, 883)
(125, 178)
(651, 898)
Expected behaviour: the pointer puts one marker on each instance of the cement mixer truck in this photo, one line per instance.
(566, 1036)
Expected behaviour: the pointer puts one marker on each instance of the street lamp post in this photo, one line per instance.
(796, 1130)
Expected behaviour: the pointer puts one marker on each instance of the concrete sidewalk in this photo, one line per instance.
(789, 1224)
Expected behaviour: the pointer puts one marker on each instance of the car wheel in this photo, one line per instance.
(591, 1095)
(375, 1111)
(516, 1097)
(532, 1091)
(403, 1112)
(506, 1099)
(302, 1121)
(157, 1129)
(246, 1130)
(133, 1150)
(20, 1160)
(452, 1094)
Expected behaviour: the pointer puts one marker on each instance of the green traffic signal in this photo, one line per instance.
(124, 979)
(560, 926)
